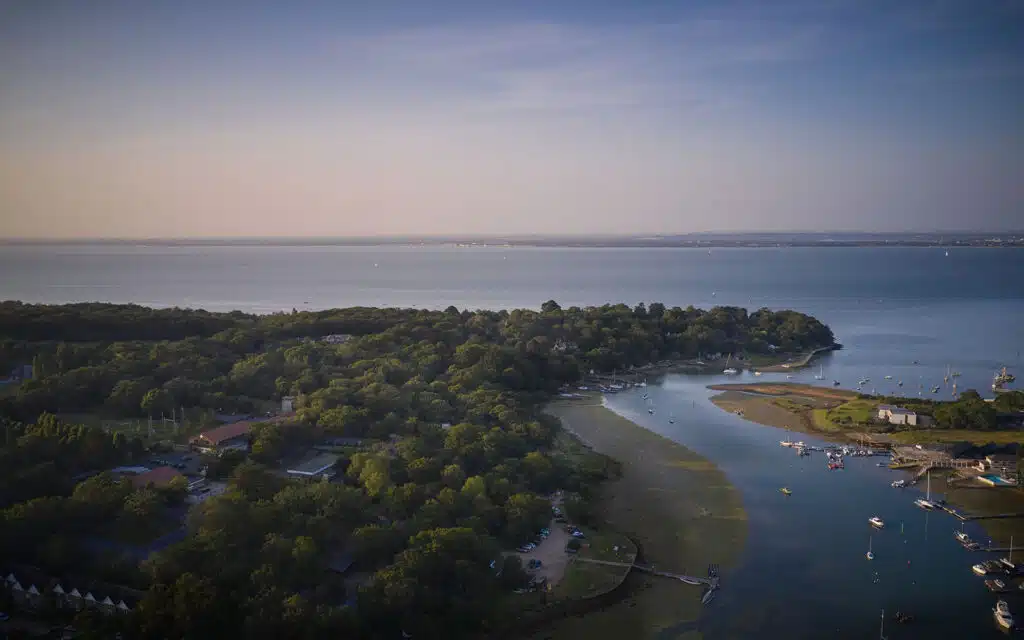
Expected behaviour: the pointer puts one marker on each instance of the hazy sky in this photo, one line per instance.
(365, 117)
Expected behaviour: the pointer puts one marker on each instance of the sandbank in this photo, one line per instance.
(678, 507)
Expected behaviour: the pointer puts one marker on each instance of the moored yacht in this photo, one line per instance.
(786, 443)
(925, 504)
(1002, 615)
(899, 484)
(996, 586)
(876, 522)
(961, 536)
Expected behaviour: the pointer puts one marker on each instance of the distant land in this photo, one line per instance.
(692, 240)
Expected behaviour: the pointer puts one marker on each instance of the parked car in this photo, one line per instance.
(534, 563)
(523, 549)
(578, 534)
(4, 617)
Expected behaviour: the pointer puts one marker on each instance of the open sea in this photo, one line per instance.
(803, 572)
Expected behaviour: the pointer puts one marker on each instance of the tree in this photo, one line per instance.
(157, 402)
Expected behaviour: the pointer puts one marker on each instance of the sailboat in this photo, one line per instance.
(671, 419)
(870, 554)
(821, 373)
(926, 502)
(729, 371)
(881, 627)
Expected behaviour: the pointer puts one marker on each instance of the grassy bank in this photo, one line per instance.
(677, 506)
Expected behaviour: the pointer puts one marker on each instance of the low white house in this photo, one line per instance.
(287, 404)
(896, 415)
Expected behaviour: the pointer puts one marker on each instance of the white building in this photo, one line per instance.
(287, 404)
(896, 415)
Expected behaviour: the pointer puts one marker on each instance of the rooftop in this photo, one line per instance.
(226, 432)
(315, 465)
(159, 477)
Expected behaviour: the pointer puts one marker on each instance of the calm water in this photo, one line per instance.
(804, 573)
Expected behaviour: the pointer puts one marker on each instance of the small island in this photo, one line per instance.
(345, 473)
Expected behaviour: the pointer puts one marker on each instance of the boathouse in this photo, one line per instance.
(897, 415)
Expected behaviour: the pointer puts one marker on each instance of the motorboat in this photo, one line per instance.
(925, 504)
(786, 443)
(757, 373)
(961, 536)
(1002, 615)
(786, 491)
(799, 444)
(996, 586)
(835, 383)
(888, 377)
(987, 567)
(899, 484)
(802, 451)
(980, 569)
(876, 522)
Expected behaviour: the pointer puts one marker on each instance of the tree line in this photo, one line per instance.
(461, 460)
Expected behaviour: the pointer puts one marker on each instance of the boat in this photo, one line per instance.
(799, 444)
(835, 383)
(757, 373)
(786, 443)
(888, 377)
(876, 522)
(1002, 614)
(802, 451)
(899, 484)
(980, 569)
(996, 585)
(730, 371)
(821, 373)
(789, 377)
(870, 554)
(786, 491)
(1003, 377)
(926, 502)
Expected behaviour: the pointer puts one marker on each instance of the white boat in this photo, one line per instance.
(926, 502)
(1002, 615)
(980, 569)
(996, 585)
(730, 371)
(757, 373)
(789, 377)
(961, 536)
(821, 373)
(888, 377)
(876, 522)
(786, 443)
(869, 555)
(799, 444)
(899, 484)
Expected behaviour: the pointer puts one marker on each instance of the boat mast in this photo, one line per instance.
(881, 628)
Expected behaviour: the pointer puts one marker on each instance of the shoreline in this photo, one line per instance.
(757, 407)
(677, 506)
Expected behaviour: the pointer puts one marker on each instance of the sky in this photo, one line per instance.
(179, 119)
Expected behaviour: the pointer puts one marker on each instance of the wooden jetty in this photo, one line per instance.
(712, 581)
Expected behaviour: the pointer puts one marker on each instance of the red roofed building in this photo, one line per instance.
(224, 437)
(159, 477)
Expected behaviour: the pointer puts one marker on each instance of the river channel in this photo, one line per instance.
(803, 573)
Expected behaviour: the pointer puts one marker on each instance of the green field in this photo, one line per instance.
(586, 580)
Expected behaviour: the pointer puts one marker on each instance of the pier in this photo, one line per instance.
(712, 582)
(964, 517)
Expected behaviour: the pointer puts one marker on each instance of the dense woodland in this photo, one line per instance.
(462, 461)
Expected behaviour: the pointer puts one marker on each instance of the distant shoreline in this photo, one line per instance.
(684, 241)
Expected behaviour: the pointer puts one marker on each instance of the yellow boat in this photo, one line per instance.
(785, 491)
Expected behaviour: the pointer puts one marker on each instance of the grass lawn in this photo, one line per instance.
(954, 435)
(858, 411)
(586, 580)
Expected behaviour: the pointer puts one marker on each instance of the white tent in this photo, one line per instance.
(89, 597)
(107, 601)
(17, 586)
(59, 590)
(121, 606)
(75, 593)
(10, 578)
(33, 591)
